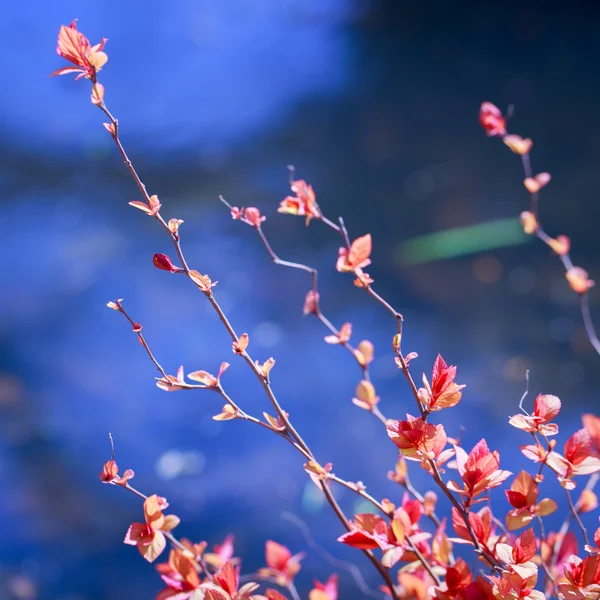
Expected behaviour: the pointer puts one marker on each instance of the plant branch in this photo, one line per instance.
(563, 256)
(545, 566)
(287, 433)
(588, 323)
(575, 513)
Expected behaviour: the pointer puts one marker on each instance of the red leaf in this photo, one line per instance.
(480, 524)
(357, 257)
(311, 303)
(153, 550)
(358, 539)
(274, 595)
(211, 593)
(225, 550)
(138, 533)
(277, 556)
(74, 47)
(458, 577)
(444, 393)
(228, 578)
(303, 204)
(330, 587)
(368, 531)
(252, 216)
(153, 513)
(525, 547)
(578, 447)
(360, 251)
(546, 407)
(109, 471)
(592, 424)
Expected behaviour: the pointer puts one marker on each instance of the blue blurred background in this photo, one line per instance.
(376, 104)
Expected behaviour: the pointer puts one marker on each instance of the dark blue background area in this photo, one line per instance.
(376, 104)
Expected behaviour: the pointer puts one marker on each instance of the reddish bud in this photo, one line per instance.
(109, 472)
(311, 303)
(253, 217)
(535, 184)
(491, 119)
(237, 213)
(579, 280)
(517, 144)
(116, 305)
(174, 227)
(162, 261)
(343, 335)
(365, 396)
(240, 346)
(561, 245)
(529, 222)
(97, 94)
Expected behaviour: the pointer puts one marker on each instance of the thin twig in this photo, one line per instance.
(564, 528)
(564, 257)
(287, 433)
(575, 513)
(588, 323)
(525, 392)
(276, 259)
(545, 565)
(137, 330)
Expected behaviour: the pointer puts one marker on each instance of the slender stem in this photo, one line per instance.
(276, 259)
(363, 493)
(588, 323)
(545, 566)
(142, 340)
(525, 392)
(364, 368)
(341, 229)
(242, 415)
(293, 591)
(411, 382)
(378, 414)
(564, 257)
(128, 163)
(564, 528)
(289, 433)
(575, 513)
